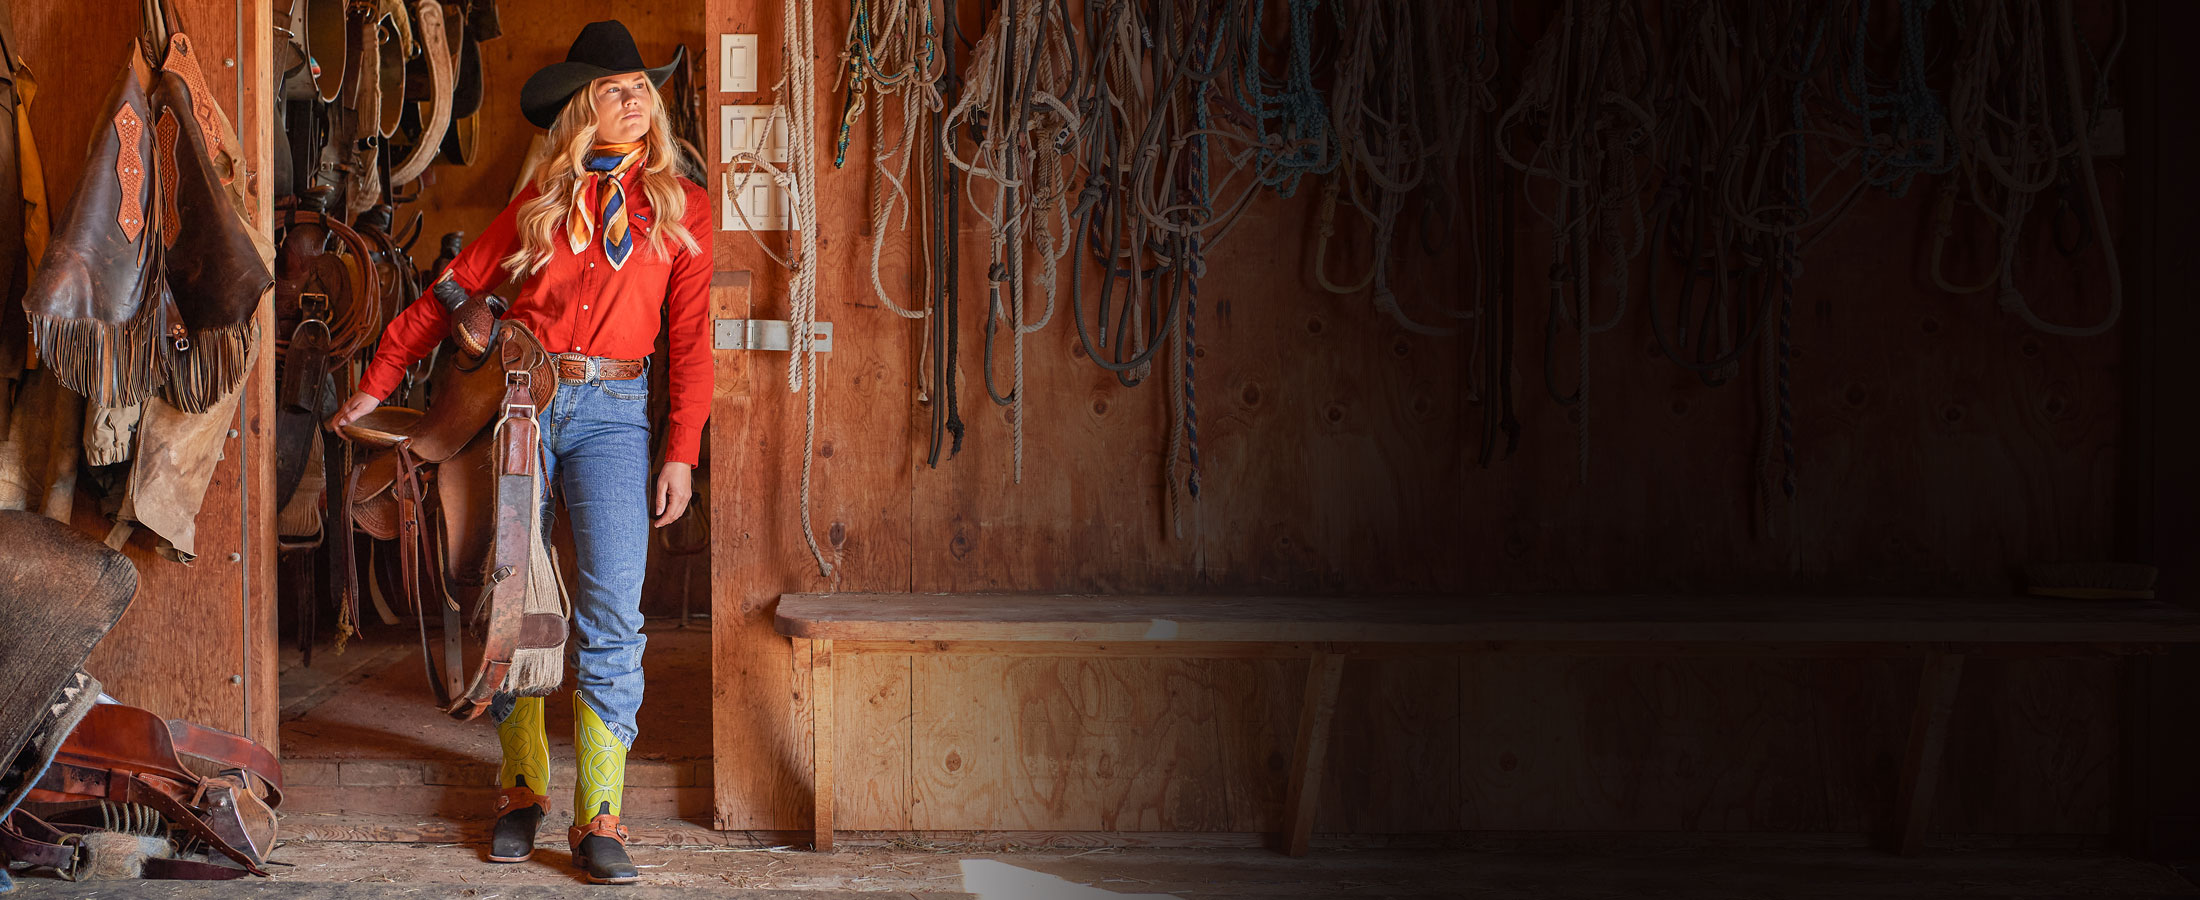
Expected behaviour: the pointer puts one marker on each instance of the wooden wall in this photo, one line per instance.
(1939, 444)
(199, 640)
(2159, 502)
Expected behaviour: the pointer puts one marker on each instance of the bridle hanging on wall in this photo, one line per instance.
(1724, 139)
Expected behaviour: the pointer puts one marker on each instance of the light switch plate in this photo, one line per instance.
(739, 128)
(737, 63)
(763, 203)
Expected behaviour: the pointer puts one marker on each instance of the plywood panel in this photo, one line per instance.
(1111, 744)
(1698, 745)
(2051, 726)
(875, 713)
(1393, 759)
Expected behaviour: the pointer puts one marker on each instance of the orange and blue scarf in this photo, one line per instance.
(608, 163)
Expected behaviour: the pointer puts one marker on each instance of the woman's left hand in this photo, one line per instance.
(675, 487)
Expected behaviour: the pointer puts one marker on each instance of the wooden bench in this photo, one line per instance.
(1942, 631)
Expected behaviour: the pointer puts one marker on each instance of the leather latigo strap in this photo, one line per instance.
(516, 443)
(575, 368)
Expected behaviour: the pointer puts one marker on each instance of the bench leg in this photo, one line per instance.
(1921, 765)
(1323, 675)
(821, 729)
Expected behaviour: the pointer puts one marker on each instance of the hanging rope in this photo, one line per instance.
(2003, 106)
(1586, 85)
(1020, 70)
(892, 48)
(1390, 142)
(1300, 143)
(797, 90)
(1904, 129)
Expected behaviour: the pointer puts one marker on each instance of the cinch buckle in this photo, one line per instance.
(521, 378)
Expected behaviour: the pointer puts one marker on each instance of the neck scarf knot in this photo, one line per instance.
(605, 166)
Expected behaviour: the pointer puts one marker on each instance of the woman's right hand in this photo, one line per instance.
(359, 404)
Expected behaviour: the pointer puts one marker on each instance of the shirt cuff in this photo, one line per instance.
(379, 380)
(683, 444)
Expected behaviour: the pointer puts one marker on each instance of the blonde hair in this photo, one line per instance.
(541, 220)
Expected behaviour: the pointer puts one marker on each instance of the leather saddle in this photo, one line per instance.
(61, 742)
(459, 485)
(213, 786)
(359, 78)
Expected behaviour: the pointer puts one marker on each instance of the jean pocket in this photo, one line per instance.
(625, 389)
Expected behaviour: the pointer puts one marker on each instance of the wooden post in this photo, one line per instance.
(1936, 699)
(821, 727)
(1323, 675)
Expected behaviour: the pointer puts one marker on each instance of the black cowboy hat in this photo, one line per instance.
(604, 48)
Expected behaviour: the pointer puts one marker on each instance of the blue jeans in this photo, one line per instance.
(595, 455)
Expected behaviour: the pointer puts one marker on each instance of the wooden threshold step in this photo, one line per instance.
(475, 773)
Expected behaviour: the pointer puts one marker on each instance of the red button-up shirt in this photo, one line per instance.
(578, 303)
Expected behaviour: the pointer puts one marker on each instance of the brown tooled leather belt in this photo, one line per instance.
(573, 368)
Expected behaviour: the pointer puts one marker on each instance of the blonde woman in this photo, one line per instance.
(604, 239)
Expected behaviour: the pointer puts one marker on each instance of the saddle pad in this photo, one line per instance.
(60, 592)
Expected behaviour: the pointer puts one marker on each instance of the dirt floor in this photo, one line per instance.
(1541, 869)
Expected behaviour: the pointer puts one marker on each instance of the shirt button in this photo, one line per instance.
(584, 306)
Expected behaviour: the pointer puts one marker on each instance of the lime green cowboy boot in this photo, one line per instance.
(524, 775)
(598, 840)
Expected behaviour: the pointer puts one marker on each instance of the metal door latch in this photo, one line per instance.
(765, 334)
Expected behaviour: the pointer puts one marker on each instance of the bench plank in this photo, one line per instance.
(1604, 618)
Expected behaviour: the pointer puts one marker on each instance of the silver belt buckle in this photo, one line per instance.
(588, 368)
